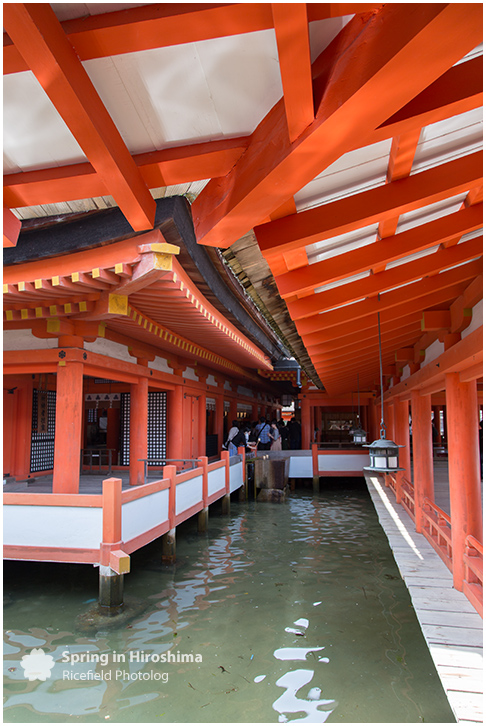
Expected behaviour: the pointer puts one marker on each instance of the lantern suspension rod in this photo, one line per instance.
(382, 423)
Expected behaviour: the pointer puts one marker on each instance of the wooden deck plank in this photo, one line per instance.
(452, 628)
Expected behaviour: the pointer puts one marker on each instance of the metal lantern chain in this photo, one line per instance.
(382, 422)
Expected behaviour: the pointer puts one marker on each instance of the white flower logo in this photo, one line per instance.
(37, 665)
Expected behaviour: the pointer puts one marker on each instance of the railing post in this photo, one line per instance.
(114, 563)
(244, 488)
(202, 521)
(169, 538)
(315, 467)
(226, 498)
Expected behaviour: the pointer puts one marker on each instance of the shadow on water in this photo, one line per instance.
(289, 612)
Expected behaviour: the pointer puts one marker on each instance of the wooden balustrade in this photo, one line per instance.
(473, 576)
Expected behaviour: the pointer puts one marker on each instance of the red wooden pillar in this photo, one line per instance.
(373, 418)
(218, 419)
(402, 438)
(464, 482)
(233, 412)
(22, 435)
(69, 411)
(138, 429)
(423, 462)
(201, 444)
(175, 401)
(389, 415)
(254, 412)
(305, 423)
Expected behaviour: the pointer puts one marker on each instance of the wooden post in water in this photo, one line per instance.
(169, 538)
(315, 468)
(114, 563)
(203, 516)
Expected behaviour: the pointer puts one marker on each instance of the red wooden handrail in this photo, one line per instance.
(437, 529)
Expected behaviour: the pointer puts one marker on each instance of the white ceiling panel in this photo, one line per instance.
(34, 134)
(341, 243)
(430, 212)
(449, 139)
(192, 92)
(69, 11)
(412, 258)
(354, 172)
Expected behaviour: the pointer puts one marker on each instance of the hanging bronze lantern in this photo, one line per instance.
(383, 452)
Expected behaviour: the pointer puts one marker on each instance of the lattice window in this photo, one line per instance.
(42, 444)
(156, 428)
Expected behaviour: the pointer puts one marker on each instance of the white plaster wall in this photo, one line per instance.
(236, 476)
(191, 374)
(108, 347)
(245, 391)
(227, 386)
(300, 467)
(36, 526)
(211, 380)
(160, 364)
(406, 373)
(143, 514)
(188, 493)
(24, 340)
(216, 480)
(476, 320)
(433, 352)
(338, 462)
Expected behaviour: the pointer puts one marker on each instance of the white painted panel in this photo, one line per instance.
(188, 493)
(108, 347)
(341, 462)
(300, 467)
(34, 134)
(36, 526)
(25, 340)
(216, 480)
(143, 514)
(476, 320)
(433, 352)
(236, 476)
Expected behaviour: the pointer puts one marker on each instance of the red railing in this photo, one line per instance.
(408, 497)
(473, 572)
(436, 527)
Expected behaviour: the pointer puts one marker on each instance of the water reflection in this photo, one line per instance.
(293, 608)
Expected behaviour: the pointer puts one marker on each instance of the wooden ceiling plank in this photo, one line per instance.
(381, 252)
(359, 210)
(383, 281)
(404, 332)
(375, 63)
(292, 34)
(39, 37)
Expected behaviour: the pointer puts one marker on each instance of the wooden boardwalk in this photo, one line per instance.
(451, 626)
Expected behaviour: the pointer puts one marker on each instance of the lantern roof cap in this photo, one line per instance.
(383, 444)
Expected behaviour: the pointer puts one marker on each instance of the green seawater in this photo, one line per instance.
(291, 612)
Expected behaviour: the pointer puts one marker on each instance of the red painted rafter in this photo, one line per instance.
(410, 296)
(292, 33)
(400, 275)
(376, 254)
(160, 25)
(384, 202)
(176, 165)
(11, 228)
(393, 56)
(40, 39)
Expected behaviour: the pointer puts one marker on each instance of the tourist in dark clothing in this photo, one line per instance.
(295, 436)
(284, 433)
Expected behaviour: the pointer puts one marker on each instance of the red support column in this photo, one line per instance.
(175, 431)
(201, 444)
(306, 423)
(67, 446)
(423, 462)
(22, 436)
(464, 481)
(402, 438)
(218, 419)
(138, 430)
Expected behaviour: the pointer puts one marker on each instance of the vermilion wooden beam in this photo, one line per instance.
(401, 275)
(379, 253)
(359, 210)
(437, 286)
(403, 332)
(392, 56)
(11, 228)
(40, 39)
(160, 25)
(158, 168)
(366, 336)
(292, 33)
